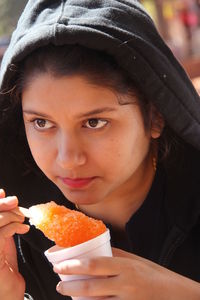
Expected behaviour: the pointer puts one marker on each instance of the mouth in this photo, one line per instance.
(77, 182)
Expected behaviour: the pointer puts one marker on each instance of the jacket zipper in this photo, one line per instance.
(174, 239)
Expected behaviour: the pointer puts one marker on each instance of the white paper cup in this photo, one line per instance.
(99, 246)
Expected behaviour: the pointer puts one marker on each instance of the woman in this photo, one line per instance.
(97, 114)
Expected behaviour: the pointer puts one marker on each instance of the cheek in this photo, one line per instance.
(125, 154)
(40, 151)
(116, 154)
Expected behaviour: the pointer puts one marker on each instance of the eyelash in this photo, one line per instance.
(98, 120)
(35, 120)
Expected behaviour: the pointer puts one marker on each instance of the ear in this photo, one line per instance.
(157, 123)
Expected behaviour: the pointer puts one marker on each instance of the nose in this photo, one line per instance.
(70, 153)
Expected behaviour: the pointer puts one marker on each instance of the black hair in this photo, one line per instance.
(98, 67)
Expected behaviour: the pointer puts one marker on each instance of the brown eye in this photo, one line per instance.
(40, 123)
(96, 123)
(93, 122)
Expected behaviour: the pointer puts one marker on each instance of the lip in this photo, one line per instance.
(77, 182)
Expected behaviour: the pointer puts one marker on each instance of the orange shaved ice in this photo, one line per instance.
(64, 226)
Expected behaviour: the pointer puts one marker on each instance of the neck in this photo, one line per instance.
(116, 209)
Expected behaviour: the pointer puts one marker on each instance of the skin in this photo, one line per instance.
(12, 285)
(67, 145)
(125, 277)
(64, 145)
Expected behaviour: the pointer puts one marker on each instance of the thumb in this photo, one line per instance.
(11, 253)
(121, 253)
(2, 193)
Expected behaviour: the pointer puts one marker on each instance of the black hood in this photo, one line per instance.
(123, 29)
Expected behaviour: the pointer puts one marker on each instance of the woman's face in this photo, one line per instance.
(83, 140)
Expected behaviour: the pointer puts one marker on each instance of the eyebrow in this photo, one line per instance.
(32, 112)
(87, 114)
(98, 111)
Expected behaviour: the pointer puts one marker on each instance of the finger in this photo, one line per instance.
(99, 266)
(5, 258)
(123, 254)
(93, 287)
(8, 203)
(2, 193)
(13, 228)
(11, 253)
(10, 217)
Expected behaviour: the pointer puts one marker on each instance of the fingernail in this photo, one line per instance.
(1, 191)
(59, 287)
(27, 227)
(56, 268)
(11, 200)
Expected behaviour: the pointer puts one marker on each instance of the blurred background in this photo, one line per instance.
(178, 22)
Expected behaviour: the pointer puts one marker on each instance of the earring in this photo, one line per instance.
(154, 162)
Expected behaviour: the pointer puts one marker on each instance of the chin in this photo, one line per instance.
(81, 198)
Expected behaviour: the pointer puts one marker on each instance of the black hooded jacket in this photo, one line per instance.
(166, 228)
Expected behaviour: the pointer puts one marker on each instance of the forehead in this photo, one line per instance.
(45, 88)
(74, 93)
(69, 98)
